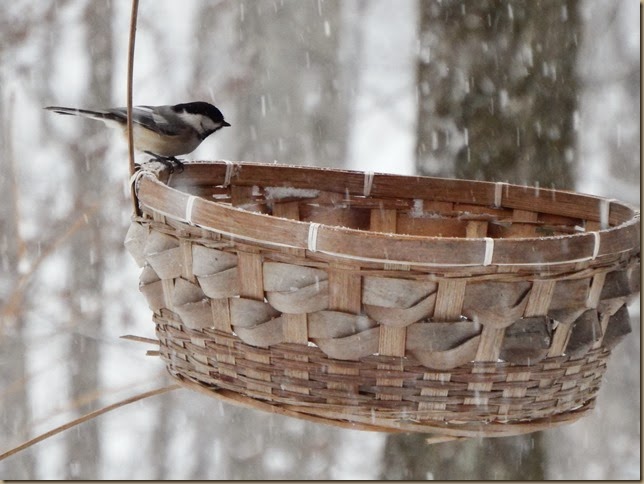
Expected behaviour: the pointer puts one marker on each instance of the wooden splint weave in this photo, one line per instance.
(385, 302)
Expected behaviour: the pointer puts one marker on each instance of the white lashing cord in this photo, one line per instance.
(189, 205)
(489, 251)
(368, 183)
(313, 236)
(498, 194)
(134, 179)
(230, 166)
(604, 212)
(597, 243)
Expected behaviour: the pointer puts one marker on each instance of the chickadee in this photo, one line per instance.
(161, 131)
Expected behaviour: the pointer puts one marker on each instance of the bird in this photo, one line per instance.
(163, 132)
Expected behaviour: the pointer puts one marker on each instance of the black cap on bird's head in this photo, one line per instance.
(203, 108)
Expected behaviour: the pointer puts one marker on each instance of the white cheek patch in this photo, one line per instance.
(194, 120)
(209, 124)
(203, 124)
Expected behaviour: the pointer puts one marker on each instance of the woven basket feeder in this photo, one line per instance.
(385, 302)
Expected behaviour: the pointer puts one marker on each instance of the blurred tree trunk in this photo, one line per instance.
(16, 423)
(161, 439)
(610, 77)
(88, 254)
(498, 90)
(497, 101)
(291, 108)
(295, 108)
(16, 419)
(409, 457)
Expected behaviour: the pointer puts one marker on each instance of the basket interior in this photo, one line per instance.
(423, 206)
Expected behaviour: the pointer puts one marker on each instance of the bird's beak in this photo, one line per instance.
(225, 123)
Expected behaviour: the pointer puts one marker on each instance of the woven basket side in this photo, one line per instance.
(559, 389)
(494, 305)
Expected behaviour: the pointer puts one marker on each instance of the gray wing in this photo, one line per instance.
(156, 118)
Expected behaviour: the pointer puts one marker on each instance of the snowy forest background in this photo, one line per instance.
(536, 92)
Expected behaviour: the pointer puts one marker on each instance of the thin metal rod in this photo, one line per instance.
(130, 75)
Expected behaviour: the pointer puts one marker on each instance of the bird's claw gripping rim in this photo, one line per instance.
(170, 161)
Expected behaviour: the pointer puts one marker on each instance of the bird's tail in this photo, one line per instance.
(100, 115)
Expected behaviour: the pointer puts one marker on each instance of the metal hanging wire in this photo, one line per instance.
(130, 76)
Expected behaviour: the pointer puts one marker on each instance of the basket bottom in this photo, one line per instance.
(437, 431)
(474, 400)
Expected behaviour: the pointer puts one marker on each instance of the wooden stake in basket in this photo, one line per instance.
(385, 302)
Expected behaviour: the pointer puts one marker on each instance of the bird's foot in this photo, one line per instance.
(170, 161)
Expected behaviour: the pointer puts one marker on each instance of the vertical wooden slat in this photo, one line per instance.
(221, 318)
(290, 210)
(592, 301)
(345, 294)
(562, 332)
(383, 220)
(524, 230)
(490, 345)
(345, 289)
(221, 314)
(449, 299)
(295, 326)
(546, 382)
(166, 284)
(392, 340)
(476, 229)
(391, 343)
(595, 290)
(251, 281)
(434, 392)
(251, 285)
(539, 298)
(295, 330)
(603, 324)
(488, 350)
(449, 305)
(186, 269)
(560, 339)
(515, 392)
(608, 310)
(241, 195)
(538, 303)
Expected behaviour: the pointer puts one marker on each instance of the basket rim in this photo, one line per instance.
(152, 187)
